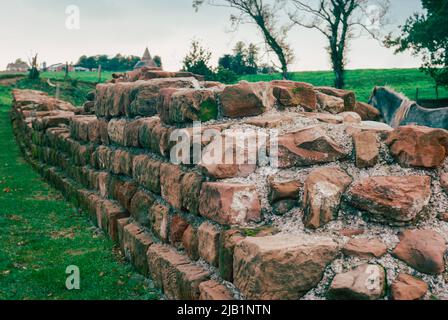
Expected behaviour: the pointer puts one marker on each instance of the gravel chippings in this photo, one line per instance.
(348, 217)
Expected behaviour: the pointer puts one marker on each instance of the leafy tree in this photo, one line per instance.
(158, 61)
(243, 61)
(197, 60)
(267, 69)
(265, 16)
(339, 21)
(117, 63)
(225, 62)
(225, 76)
(252, 59)
(426, 35)
(239, 58)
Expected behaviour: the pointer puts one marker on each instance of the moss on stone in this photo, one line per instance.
(208, 110)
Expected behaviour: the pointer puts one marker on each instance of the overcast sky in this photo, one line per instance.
(167, 28)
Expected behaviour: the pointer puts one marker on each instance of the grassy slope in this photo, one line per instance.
(363, 81)
(41, 234)
(81, 76)
(72, 91)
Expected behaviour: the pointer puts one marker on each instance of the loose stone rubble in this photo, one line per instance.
(352, 211)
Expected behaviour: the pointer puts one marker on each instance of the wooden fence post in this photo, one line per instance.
(99, 74)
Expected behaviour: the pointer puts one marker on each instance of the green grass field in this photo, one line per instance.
(41, 234)
(363, 81)
(81, 76)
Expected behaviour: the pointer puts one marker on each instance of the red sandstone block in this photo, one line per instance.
(170, 182)
(191, 189)
(213, 290)
(146, 171)
(95, 131)
(159, 219)
(102, 129)
(92, 177)
(145, 131)
(108, 213)
(135, 244)
(103, 157)
(121, 223)
(84, 154)
(82, 199)
(190, 242)
(229, 203)
(208, 243)
(116, 130)
(229, 239)
(131, 133)
(140, 204)
(159, 139)
(178, 226)
(79, 127)
(124, 191)
(104, 179)
(91, 204)
(121, 162)
(43, 123)
(174, 272)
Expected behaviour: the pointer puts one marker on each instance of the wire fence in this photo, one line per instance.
(432, 97)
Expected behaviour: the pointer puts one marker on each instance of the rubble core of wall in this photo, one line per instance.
(353, 210)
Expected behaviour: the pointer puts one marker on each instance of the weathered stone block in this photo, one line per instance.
(282, 266)
(190, 242)
(179, 106)
(212, 290)
(228, 240)
(307, 146)
(108, 212)
(294, 94)
(159, 218)
(170, 183)
(208, 243)
(116, 130)
(139, 208)
(322, 197)
(191, 186)
(394, 200)
(136, 244)
(173, 272)
(367, 282)
(146, 172)
(246, 99)
(178, 226)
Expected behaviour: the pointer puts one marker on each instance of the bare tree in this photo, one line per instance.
(339, 21)
(34, 68)
(264, 16)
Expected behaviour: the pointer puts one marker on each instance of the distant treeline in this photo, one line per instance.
(117, 63)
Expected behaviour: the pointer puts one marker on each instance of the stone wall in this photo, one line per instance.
(354, 209)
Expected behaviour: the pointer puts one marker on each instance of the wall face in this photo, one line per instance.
(330, 207)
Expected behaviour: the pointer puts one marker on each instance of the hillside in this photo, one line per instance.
(363, 81)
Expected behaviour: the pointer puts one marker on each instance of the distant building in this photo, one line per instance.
(146, 62)
(18, 66)
(81, 69)
(59, 67)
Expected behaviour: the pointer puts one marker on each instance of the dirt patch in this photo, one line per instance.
(10, 81)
